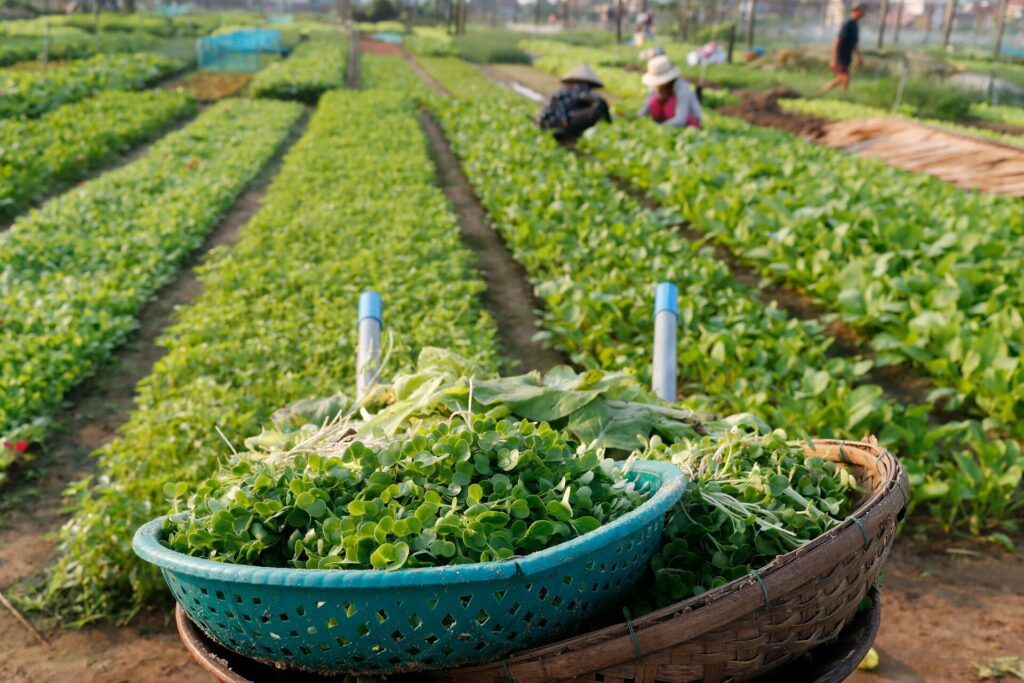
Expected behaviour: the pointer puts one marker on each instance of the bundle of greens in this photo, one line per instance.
(751, 498)
(471, 489)
(442, 466)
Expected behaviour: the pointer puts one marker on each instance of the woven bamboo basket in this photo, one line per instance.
(748, 627)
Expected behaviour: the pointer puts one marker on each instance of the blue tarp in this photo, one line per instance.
(238, 51)
(394, 38)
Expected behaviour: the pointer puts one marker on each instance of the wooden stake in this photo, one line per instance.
(1000, 28)
(884, 12)
(618, 21)
(947, 28)
(899, 22)
(23, 621)
(750, 24)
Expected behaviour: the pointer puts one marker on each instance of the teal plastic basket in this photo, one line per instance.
(363, 621)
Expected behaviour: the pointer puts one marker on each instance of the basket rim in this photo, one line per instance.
(661, 629)
(147, 546)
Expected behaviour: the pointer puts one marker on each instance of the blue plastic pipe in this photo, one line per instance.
(368, 349)
(666, 320)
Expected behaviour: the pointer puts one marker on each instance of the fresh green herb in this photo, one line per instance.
(750, 498)
(472, 491)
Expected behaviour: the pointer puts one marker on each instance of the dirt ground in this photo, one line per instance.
(946, 607)
(761, 108)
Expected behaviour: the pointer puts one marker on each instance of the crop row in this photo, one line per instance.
(312, 69)
(917, 263)
(840, 110)
(999, 113)
(31, 92)
(73, 45)
(923, 267)
(593, 256)
(42, 155)
(116, 23)
(74, 274)
(354, 207)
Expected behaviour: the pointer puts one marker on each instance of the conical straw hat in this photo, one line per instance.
(585, 74)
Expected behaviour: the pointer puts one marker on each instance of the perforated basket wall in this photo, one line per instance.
(408, 620)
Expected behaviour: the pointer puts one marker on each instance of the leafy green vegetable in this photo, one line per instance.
(918, 264)
(749, 499)
(312, 69)
(66, 43)
(475, 490)
(40, 156)
(403, 487)
(566, 223)
(74, 274)
(31, 93)
(999, 113)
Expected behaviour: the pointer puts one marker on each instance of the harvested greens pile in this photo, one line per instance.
(442, 467)
(470, 489)
(751, 498)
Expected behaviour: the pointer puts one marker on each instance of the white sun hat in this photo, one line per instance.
(660, 70)
(585, 74)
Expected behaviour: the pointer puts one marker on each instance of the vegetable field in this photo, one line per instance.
(820, 296)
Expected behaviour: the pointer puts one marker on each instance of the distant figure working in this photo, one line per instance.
(575, 107)
(845, 47)
(644, 28)
(671, 100)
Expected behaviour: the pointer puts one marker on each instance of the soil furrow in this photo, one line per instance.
(147, 649)
(509, 297)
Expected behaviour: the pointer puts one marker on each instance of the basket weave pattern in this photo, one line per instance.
(750, 626)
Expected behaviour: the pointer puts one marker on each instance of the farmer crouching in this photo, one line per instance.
(670, 99)
(575, 107)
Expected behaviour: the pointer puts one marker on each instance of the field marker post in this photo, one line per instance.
(666, 322)
(368, 349)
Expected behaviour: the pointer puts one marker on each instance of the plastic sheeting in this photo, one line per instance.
(238, 51)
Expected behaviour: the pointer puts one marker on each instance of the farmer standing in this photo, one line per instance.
(671, 100)
(575, 107)
(845, 47)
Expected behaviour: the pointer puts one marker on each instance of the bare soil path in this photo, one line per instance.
(148, 648)
(945, 607)
(761, 108)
